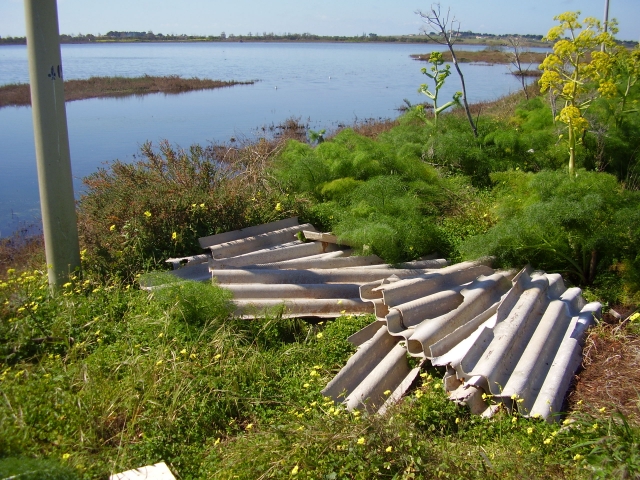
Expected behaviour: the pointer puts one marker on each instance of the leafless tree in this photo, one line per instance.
(447, 29)
(515, 59)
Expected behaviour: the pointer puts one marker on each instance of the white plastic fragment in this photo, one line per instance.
(159, 471)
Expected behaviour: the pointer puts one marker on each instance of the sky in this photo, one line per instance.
(329, 17)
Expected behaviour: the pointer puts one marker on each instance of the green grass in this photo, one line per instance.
(129, 378)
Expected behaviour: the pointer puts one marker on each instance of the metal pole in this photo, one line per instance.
(51, 141)
(606, 20)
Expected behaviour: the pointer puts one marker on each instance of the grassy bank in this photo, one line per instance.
(489, 55)
(97, 87)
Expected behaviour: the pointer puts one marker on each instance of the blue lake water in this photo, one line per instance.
(325, 85)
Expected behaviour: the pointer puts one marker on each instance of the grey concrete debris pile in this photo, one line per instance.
(504, 338)
(285, 263)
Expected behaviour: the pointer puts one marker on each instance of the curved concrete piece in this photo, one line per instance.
(247, 232)
(478, 296)
(432, 282)
(295, 307)
(370, 354)
(332, 275)
(243, 291)
(279, 253)
(517, 337)
(257, 242)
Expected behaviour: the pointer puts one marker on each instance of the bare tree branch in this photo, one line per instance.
(514, 57)
(444, 26)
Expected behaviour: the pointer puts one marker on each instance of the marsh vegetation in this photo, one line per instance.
(99, 87)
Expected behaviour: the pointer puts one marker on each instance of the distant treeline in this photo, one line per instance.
(115, 36)
(467, 37)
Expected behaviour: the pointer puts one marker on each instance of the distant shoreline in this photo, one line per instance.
(294, 38)
(461, 38)
(19, 94)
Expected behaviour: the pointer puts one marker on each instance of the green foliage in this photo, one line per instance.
(132, 217)
(381, 199)
(438, 75)
(574, 226)
(568, 74)
(35, 469)
(138, 377)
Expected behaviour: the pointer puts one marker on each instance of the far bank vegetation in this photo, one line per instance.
(94, 87)
(490, 55)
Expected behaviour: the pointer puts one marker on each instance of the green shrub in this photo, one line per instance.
(35, 469)
(375, 194)
(132, 217)
(575, 226)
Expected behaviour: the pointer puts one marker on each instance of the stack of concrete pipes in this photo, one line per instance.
(516, 338)
(287, 264)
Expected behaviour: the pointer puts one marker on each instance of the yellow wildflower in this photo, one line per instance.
(387, 392)
(65, 456)
(147, 214)
(112, 228)
(577, 457)
(294, 470)
(530, 430)
(174, 236)
(389, 449)
(319, 335)
(250, 426)
(361, 441)
(183, 351)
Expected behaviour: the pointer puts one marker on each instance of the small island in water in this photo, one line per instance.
(94, 87)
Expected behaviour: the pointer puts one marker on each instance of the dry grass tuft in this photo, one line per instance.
(22, 251)
(611, 374)
(372, 128)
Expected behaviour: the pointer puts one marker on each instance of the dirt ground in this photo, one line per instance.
(610, 376)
